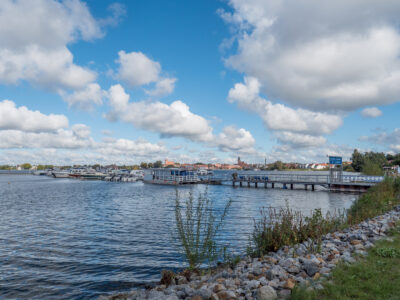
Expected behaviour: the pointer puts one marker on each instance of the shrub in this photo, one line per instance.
(285, 227)
(378, 200)
(198, 227)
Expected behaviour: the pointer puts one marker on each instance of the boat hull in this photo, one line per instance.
(60, 175)
(91, 177)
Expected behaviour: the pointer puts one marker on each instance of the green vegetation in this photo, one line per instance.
(372, 163)
(6, 167)
(378, 200)
(278, 165)
(44, 167)
(197, 228)
(26, 166)
(375, 277)
(284, 227)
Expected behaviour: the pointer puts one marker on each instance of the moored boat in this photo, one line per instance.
(60, 174)
(172, 176)
(92, 175)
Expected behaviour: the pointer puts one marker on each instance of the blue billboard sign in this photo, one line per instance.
(335, 160)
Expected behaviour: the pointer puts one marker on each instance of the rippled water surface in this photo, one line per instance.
(65, 238)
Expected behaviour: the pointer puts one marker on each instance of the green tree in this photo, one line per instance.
(157, 164)
(143, 165)
(278, 165)
(371, 167)
(357, 160)
(26, 166)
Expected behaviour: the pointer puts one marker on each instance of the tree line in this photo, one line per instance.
(372, 163)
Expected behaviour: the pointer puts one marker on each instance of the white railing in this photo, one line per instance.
(177, 178)
(362, 178)
(298, 178)
(287, 178)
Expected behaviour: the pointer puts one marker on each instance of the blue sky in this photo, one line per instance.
(131, 81)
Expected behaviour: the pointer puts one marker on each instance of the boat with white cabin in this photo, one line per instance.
(60, 174)
(171, 176)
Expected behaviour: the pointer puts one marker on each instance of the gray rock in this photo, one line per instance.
(310, 268)
(349, 259)
(257, 271)
(276, 271)
(155, 295)
(231, 295)
(180, 294)
(253, 284)
(324, 270)
(203, 292)
(286, 263)
(284, 294)
(171, 297)
(188, 290)
(263, 281)
(293, 269)
(266, 293)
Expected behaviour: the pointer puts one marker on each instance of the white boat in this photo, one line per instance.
(137, 174)
(92, 175)
(60, 174)
(202, 172)
(40, 173)
(172, 176)
(77, 172)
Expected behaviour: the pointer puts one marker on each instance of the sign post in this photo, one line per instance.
(335, 160)
(336, 171)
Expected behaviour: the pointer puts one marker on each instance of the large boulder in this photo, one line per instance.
(266, 293)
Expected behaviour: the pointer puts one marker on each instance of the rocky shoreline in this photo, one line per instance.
(274, 275)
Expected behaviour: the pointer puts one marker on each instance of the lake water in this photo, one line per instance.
(66, 238)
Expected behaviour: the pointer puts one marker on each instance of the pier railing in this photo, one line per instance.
(300, 178)
(362, 178)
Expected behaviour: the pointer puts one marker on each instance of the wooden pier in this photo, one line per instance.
(345, 183)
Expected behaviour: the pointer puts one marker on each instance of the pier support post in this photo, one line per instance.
(248, 183)
(273, 185)
(265, 184)
(313, 188)
(256, 184)
(240, 183)
(306, 186)
(233, 183)
(291, 186)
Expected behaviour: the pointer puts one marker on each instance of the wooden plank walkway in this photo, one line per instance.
(357, 183)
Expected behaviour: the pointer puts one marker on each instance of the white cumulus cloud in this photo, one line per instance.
(21, 118)
(371, 112)
(86, 98)
(300, 126)
(34, 44)
(136, 69)
(340, 55)
(175, 119)
(232, 139)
